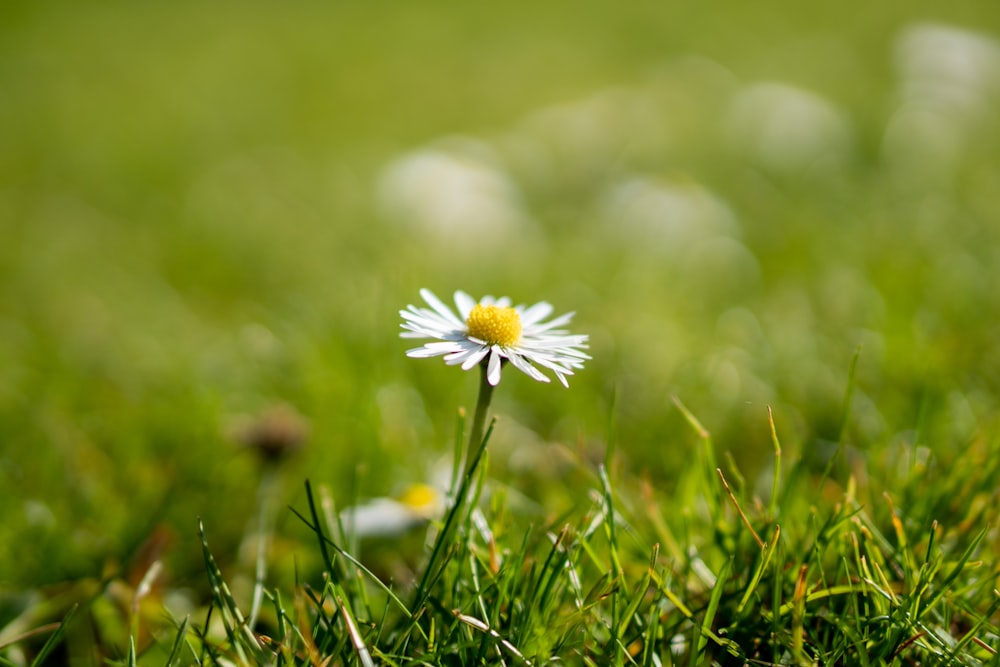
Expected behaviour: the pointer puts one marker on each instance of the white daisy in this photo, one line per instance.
(383, 517)
(492, 331)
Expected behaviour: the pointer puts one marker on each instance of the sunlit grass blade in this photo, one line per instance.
(438, 559)
(54, 639)
(241, 637)
(493, 634)
(739, 510)
(944, 585)
(845, 416)
(798, 618)
(609, 521)
(705, 631)
(352, 630)
(638, 596)
(180, 640)
(317, 527)
(776, 475)
(703, 434)
(767, 553)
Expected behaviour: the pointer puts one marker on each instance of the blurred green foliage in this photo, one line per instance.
(198, 222)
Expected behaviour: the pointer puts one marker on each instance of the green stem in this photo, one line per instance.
(479, 420)
(266, 491)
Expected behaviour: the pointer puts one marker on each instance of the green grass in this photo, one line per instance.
(195, 230)
(831, 581)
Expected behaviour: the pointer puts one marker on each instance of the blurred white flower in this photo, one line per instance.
(949, 84)
(458, 193)
(492, 331)
(665, 215)
(679, 644)
(948, 67)
(585, 135)
(37, 513)
(384, 517)
(788, 128)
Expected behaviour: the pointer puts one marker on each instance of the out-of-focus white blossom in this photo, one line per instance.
(787, 128)
(457, 193)
(385, 517)
(949, 87)
(665, 215)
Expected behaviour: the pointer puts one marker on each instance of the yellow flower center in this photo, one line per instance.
(423, 500)
(497, 325)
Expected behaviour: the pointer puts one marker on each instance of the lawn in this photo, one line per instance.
(778, 225)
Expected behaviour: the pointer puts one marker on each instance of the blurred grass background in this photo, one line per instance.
(208, 209)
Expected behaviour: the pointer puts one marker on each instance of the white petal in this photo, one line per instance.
(549, 326)
(475, 358)
(554, 363)
(566, 354)
(521, 364)
(439, 307)
(421, 333)
(535, 313)
(493, 370)
(465, 304)
(433, 350)
(469, 351)
(379, 517)
(421, 317)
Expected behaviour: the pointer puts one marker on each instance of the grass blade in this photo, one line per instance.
(54, 638)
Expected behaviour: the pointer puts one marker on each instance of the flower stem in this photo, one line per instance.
(479, 420)
(262, 533)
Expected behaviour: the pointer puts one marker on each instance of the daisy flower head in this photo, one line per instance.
(387, 517)
(492, 331)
